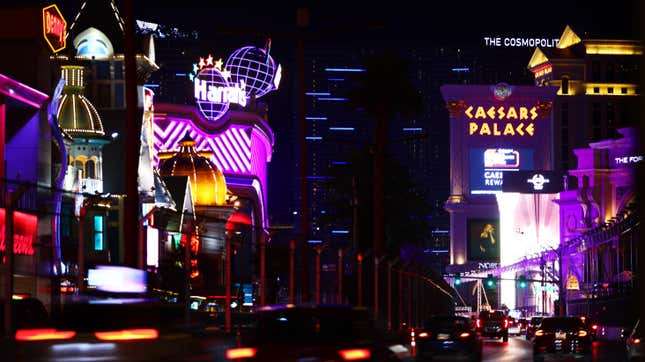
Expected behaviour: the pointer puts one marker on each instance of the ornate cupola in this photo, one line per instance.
(78, 118)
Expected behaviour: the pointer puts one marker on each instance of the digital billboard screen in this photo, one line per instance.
(483, 240)
(488, 166)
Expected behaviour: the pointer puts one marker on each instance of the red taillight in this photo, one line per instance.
(236, 353)
(505, 323)
(423, 335)
(479, 323)
(464, 335)
(355, 354)
(43, 334)
(127, 334)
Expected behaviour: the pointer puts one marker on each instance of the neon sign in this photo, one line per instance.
(501, 158)
(54, 28)
(538, 180)
(213, 91)
(521, 42)
(24, 232)
(501, 113)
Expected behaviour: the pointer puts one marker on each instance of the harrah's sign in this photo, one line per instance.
(54, 28)
(25, 227)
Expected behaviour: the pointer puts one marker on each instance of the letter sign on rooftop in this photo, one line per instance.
(54, 28)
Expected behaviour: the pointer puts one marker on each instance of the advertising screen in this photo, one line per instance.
(483, 240)
(488, 166)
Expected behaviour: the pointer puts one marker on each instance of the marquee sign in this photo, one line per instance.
(25, 227)
(214, 92)
(534, 182)
(54, 28)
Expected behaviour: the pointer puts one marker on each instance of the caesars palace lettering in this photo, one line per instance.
(501, 113)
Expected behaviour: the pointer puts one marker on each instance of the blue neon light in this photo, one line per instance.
(336, 79)
(332, 99)
(341, 128)
(440, 231)
(465, 69)
(339, 163)
(349, 70)
(340, 231)
(316, 118)
(435, 251)
(314, 241)
(151, 85)
(313, 138)
(180, 74)
(410, 129)
(317, 93)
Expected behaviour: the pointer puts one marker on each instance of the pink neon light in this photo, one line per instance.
(226, 155)
(241, 155)
(231, 151)
(246, 137)
(218, 154)
(245, 147)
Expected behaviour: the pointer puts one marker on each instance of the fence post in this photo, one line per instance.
(292, 251)
(340, 276)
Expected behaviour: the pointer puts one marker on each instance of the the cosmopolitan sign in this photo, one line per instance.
(213, 90)
(521, 42)
(54, 28)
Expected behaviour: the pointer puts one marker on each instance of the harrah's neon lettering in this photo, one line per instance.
(501, 113)
(210, 93)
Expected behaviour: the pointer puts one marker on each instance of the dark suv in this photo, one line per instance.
(493, 324)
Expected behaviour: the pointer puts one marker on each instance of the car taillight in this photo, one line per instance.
(127, 334)
(539, 332)
(479, 323)
(637, 340)
(236, 353)
(582, 333)
(595, 326)
(423, 335)
(355, 354)
(464, 335)
(505, 323)
(43, 334)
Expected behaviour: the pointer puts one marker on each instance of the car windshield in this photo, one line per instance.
(567, 323)
(315, 324)
(491, 315)
(447, 322)
(536, 320)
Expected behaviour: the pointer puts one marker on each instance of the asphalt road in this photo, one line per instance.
(518, 349)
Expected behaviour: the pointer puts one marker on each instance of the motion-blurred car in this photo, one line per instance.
(634, 344)
(591, 326)
(522, 323)
(533, 325)
(562, 337)
(313, 333)
(27, 312)
(493, 324)
(110, 330)
(448, 336)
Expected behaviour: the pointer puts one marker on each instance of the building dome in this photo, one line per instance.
(76, 115)
(207, 183)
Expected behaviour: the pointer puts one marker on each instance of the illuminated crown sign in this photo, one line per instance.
(214, 92)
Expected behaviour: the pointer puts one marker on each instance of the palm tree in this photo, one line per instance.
(385, 92)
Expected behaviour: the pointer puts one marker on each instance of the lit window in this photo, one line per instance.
(99, 236)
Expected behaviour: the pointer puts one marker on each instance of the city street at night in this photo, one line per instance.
(321, 181)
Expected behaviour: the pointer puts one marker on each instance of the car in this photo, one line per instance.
(448, 336)
(634, 344)
(110, 330)
(522, 323)
(317, 332)
(493, 324)
(513, 326)
(562, 337)
(591, 326)
(532, 326)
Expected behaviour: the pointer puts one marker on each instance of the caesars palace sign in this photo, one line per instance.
(516, 120)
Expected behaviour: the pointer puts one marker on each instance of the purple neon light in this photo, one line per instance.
(230, 150)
